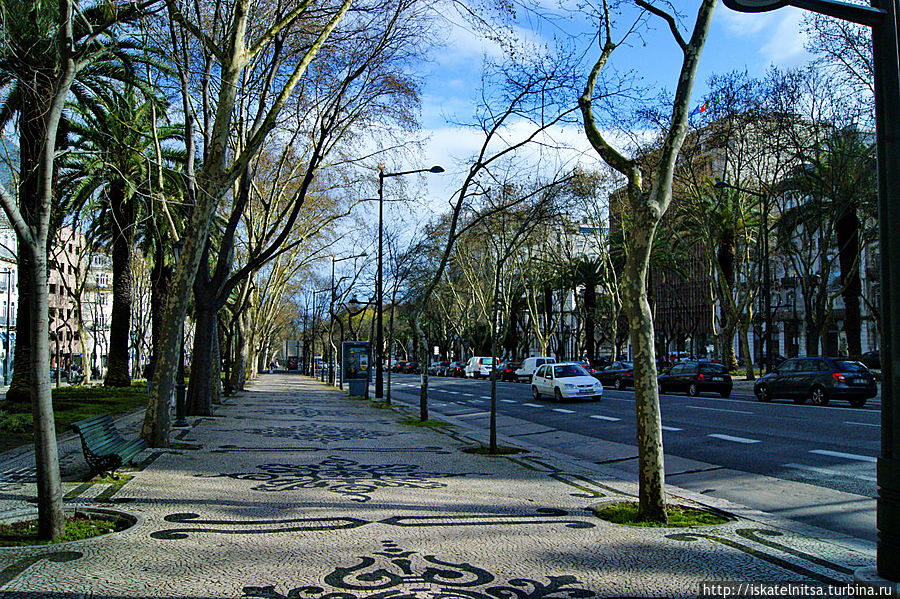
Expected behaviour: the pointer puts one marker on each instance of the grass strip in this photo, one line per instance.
(426, 423)
(680, 516)
(70, 404)
(81, 526)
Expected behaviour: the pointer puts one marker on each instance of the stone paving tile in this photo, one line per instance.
(295, 491)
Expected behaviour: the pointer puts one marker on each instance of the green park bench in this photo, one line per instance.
(104, 448)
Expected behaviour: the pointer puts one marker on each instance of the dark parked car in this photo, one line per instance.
(871, 359)
(436, 367)
(456, 369)
(411, 368)
(442, 368)
(619, 374)
(398, 366)
(695, 378)
(587, 366)
(818, 379)
(507, 371)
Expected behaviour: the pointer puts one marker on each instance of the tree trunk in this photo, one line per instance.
(847, 234)
(744, 333)
(160, 279)
(239, 371)
(203, 385)
(652, 498)
(51, 520)
(31, 136)
(590, 309)
(117, 374)
(423, 386)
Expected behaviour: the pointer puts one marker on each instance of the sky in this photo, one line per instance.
(751, 42)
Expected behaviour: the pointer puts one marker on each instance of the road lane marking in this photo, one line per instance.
(486, 397)
(509, 401)
(861, 423)
(830, 472)
(734, 439)
(472, 415)
(670, 429)
(607, 418)
(533, 405)
(453, 392)
(562, 411)
(841, 454)
(719, 410)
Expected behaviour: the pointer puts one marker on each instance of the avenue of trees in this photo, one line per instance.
(221, 153)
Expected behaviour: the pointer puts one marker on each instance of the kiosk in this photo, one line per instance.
(356, 366)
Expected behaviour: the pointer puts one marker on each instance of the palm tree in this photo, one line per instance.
(840, 182)
(587, 272)
(29, 66)
(114, 147)
(43, 47)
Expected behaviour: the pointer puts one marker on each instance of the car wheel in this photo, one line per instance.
(620, 384)
(535, 393)
(762, 394)
(857, 403)
(557, 395)
(694, 390)
(818, 397)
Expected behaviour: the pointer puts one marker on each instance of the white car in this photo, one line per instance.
(530, 365)
(565, 380)
(478, 367)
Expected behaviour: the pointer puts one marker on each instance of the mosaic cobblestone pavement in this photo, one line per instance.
(295, 491)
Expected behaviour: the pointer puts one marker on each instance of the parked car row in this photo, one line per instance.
(819, 380)
(815, 379)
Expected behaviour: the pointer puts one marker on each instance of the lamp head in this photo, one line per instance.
(436, 169)
(755, 5)
(721, 185)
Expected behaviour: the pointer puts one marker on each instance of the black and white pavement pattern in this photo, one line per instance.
(260, 510)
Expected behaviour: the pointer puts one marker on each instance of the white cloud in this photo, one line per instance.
(786, 42)
(776, 34)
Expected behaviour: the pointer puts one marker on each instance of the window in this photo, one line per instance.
(540, 371)
(713, 369)
(789, 366)
(568, 371)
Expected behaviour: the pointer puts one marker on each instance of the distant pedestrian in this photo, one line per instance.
(148, 374)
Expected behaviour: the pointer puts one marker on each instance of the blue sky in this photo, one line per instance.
(736, 42)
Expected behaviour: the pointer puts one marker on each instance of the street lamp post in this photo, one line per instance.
(354, 307)
(881, 16)
(180, 419)
(379, 279)
(334, 261)
(767, 277)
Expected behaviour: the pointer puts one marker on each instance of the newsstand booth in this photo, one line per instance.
(356, 360)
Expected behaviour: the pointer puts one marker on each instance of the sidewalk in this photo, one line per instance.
(298, 492)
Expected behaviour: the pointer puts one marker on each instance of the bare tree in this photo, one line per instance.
(647, 209)
(225, 39)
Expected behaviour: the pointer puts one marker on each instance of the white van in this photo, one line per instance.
(530, 365)
(478, 367)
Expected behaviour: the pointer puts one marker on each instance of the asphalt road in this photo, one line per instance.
(811, 463)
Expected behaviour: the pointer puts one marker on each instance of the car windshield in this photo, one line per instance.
(568, 370)
(713, 368)
(848, 366)
(487, 361)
